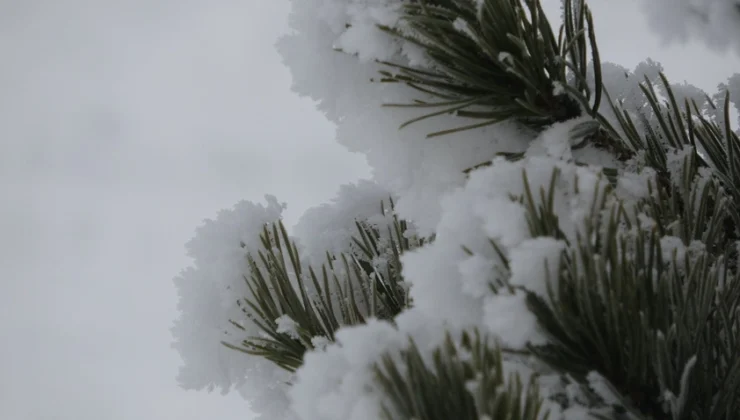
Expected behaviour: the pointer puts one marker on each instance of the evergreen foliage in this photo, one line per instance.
(661, 328)
(647, 296)
(442, 391)
(498, 61)
(317, 304)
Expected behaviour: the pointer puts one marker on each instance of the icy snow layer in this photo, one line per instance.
(416, 169)
(450, 288)
(716, 22)
(208, 293)
(449, 285)
(330, 227)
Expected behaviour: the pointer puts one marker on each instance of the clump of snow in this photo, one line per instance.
(451, 286)
(507, 234)
(482, 244)
(450, 281)
(355, 41)
(507, 317)
(417, 169)
(331, 226)
(633, 186)
(435, 287)
(477, 274)
(597, 157)
(320, 342)
(415, 54)
(363, 37)
(675, 159)
(286, 325)
(671, 247)
(535, 260)
(556, 140)
(208, 294)
(337, 383)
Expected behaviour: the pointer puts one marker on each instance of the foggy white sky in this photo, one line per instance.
(123, 123)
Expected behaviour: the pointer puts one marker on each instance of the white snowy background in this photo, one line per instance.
(123, 124)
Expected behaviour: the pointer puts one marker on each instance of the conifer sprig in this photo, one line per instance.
(659, 324)
(319, 303)
(382, 262)
(662, 329)
(671, 127)
(676, 126)
(465, 381)
(499, 60)
(279, 290)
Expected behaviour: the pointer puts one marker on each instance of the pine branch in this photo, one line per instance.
(660, 330)
(383, 264)
(279, 290)
(676, 128)
(660, 327)
(499, 61)
(339, 296)
(470, 387)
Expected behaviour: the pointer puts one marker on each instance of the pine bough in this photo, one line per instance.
(607, 291)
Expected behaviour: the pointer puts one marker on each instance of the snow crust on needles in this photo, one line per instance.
(425, 174)
(208, 293)
(450, 287)
(416, 169)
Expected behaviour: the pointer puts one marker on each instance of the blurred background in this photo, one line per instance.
(123, 124)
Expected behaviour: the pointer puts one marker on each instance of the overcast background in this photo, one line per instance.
(124, 123)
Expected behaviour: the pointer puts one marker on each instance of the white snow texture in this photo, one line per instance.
(449, 287)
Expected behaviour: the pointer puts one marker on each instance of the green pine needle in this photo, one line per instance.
(278, 286)
(442, 391)
(505, 64)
